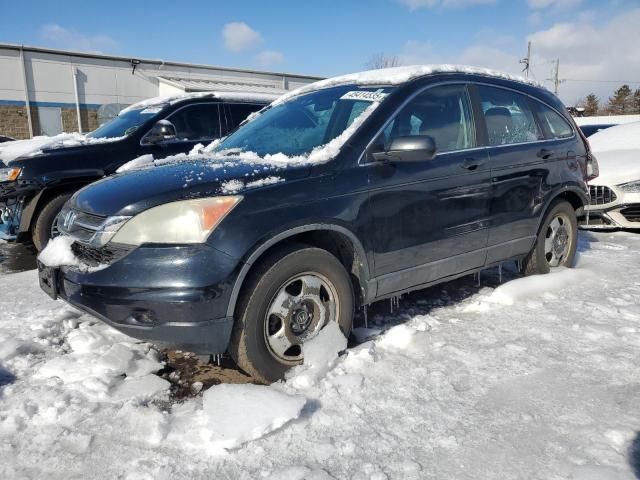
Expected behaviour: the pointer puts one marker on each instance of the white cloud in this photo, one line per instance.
(590, 54)
(557, 4)
(238, 37)
(268, 58)
(415, 4)
(60, 37)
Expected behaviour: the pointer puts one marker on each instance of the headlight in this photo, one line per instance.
(631, 187)
(9, 174)
(186, 221)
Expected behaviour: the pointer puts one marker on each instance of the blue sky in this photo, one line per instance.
(333, 37)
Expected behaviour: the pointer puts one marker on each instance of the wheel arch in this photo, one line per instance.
(572, 194)
(336, 239)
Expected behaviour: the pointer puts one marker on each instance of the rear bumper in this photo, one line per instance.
(175, 296)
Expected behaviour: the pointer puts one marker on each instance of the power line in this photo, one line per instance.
(600, 81)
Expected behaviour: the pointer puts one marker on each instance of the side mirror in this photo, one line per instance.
(416, 148)
(162, 131)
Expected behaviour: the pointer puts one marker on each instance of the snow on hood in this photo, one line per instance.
(617, 167)
(398, 75)
(227, 96)
(620, 137)
(10, 151)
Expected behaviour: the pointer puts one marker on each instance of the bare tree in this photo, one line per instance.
(382, 60)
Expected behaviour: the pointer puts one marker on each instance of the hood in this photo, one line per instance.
(131, 192)
(24, 149)
(617, 166)
(621, 137)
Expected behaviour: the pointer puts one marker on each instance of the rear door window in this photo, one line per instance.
(197, 122)
(443, 113)
(553, 123)
(508, 117)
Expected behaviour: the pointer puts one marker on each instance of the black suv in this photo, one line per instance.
(33, 189)
(352, 190)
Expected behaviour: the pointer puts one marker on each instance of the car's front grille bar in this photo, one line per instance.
(601, 195)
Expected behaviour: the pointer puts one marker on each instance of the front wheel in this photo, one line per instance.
(290, 297)
(45, 226)
(557, 240)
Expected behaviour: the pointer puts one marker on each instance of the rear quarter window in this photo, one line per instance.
(553, 123)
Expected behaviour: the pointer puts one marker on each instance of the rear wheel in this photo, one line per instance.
(557, 240)
(290, 297)
(45, 226)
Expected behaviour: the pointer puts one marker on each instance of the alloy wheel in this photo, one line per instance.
(301, 307)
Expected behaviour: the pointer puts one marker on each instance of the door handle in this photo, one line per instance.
(545, 154)
(472, 163)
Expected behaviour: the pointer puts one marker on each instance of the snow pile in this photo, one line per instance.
(320, 355)
(222, 95)
(237, 414)
(620, 137)
(530, 287)
(58, 253)
(10, 151)
(235, 186)
(143, 161)
(106, 365)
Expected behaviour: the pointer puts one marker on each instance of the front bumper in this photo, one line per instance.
(623, 211)
(175, 296)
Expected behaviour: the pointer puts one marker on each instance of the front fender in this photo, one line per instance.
(258, 250)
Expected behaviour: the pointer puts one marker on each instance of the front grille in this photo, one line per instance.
(94, 257)
(601, 195)
(84, 225)
(632, 214)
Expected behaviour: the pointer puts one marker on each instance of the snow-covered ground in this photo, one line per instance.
(535, 379)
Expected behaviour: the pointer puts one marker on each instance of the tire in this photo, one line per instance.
(42, 228)
(260, 338)
(545, 254)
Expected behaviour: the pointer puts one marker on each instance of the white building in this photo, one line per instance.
(45, 91)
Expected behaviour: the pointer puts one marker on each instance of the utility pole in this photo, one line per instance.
(526, 61)
(556, 77)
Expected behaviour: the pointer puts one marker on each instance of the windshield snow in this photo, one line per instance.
(125, 123)
(299, 126)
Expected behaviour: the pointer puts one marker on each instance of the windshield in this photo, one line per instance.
(299, 125)
(125, 123)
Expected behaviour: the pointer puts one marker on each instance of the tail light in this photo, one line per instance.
(591, 162)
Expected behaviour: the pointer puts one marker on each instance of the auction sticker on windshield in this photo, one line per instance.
(364, 95)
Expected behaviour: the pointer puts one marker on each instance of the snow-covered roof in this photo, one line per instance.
(399, 75)
(620, 137)
(237, 96)
(209, 85)
(606, 120)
